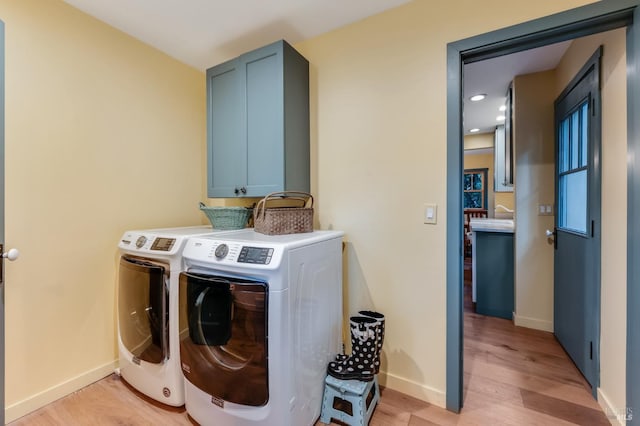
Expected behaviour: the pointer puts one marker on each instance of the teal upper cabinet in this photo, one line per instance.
(258, 123)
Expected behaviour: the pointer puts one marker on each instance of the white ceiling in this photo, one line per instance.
(492, 77)
(203, 33)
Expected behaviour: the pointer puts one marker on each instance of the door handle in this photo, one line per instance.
(553, 235)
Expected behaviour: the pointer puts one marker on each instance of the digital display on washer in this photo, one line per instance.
(163, 244)
(259, 255)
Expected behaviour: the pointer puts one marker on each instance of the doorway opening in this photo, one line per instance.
(587, 20)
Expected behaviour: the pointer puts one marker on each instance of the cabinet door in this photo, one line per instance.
(264, 117)
(495, 274)
(500, 181)
(226, 162)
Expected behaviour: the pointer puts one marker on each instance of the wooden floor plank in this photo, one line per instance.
(110, 401)
(561, 409)
(484, 409)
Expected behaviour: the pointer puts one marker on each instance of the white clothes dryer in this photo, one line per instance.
(147, 310)
(260, 318)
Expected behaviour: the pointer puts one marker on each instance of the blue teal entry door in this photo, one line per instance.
(577, 233)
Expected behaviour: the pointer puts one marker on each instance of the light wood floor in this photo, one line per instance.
(512, 376)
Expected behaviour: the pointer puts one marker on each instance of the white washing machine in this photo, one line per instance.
(150, 262)
(260, 318)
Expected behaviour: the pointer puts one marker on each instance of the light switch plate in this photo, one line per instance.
(430, 213)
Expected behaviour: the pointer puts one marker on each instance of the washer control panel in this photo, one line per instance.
(213, 251)
(259, 255)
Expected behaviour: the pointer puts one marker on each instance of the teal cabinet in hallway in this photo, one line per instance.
(493, 271)
(258, 123)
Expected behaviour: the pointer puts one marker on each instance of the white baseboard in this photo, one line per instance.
(47, 396)
(416, 390)
(535, 323)
(617, 416)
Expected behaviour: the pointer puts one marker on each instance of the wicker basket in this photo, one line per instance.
(227, 217)
(284, 220)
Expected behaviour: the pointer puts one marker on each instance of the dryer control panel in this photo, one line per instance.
(163, 244)
(148, 243)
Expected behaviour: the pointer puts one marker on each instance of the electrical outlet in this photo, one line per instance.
(545, 209)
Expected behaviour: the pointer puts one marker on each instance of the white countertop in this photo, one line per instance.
(492, 225)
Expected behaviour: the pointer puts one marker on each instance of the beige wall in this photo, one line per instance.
(613, 321)
(533, 97)
(103, 134)
(479, 141)
(378, 108)
(506, 199)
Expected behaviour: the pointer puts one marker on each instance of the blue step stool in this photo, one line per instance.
(350, 401)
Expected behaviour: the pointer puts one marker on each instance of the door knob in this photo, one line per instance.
(11, 255)
(553, 236)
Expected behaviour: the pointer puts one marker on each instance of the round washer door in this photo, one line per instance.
(223, 337)
(143, 302)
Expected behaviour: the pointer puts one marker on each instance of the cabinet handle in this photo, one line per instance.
(243, 190)
(236, 191)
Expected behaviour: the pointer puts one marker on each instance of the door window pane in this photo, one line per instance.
(584, 119)
(573, 157)
(575, 139)
(573, 201)
(563, 158)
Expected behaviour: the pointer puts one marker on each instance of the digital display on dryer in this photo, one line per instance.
(163, 244)
(259, 255)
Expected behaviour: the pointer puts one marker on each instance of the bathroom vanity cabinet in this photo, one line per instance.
(493, 267)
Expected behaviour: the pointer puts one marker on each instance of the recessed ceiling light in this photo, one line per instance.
(500, 118)
(478, 97)
(476, 130)
(503, 108)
